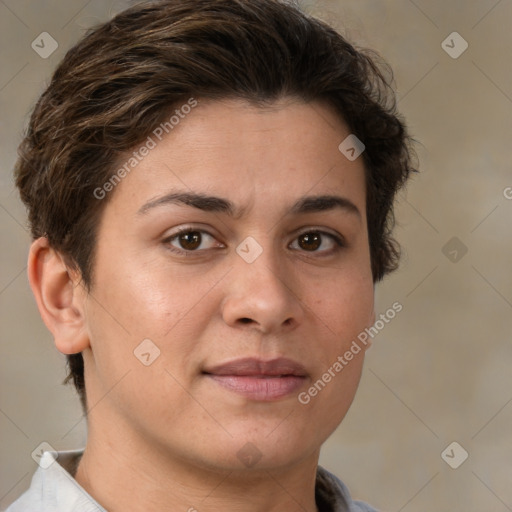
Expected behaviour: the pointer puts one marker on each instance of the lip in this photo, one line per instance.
(259, 380)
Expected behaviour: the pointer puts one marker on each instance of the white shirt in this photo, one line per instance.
(53, 489)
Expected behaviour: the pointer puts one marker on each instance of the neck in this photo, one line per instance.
(124, 473)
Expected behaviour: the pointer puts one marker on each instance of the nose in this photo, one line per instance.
(262, 295)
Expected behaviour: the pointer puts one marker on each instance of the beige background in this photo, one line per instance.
(440, 371)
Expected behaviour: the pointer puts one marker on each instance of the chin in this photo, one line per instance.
(265, 448)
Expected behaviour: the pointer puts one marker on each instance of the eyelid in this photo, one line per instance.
(322, 230)
(186, 228)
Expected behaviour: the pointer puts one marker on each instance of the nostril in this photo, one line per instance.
(245, 320)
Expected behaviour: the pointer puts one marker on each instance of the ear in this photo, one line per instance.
(59, 297)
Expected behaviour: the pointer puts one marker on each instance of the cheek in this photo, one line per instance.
(346, 309)
(149, 298)
(153, 304)
(346, 305)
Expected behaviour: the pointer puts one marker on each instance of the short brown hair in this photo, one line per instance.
(125, 77)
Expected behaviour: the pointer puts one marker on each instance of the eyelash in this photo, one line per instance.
(337, 239)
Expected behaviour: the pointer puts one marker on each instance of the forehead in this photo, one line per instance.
(250, 154)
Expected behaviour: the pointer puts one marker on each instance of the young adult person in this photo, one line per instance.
(210, 190)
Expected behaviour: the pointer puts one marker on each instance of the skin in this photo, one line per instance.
(165, 436)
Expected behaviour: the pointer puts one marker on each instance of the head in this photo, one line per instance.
(243, 101)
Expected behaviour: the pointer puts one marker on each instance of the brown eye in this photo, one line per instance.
(310, 241)
(190, 240)
(319, 242)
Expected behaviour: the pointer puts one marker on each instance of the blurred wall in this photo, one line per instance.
(439, 372)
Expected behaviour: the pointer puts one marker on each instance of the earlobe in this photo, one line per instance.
(59, 297)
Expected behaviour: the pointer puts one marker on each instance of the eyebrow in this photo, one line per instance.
(308, 204)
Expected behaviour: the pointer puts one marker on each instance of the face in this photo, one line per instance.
(238, 249)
